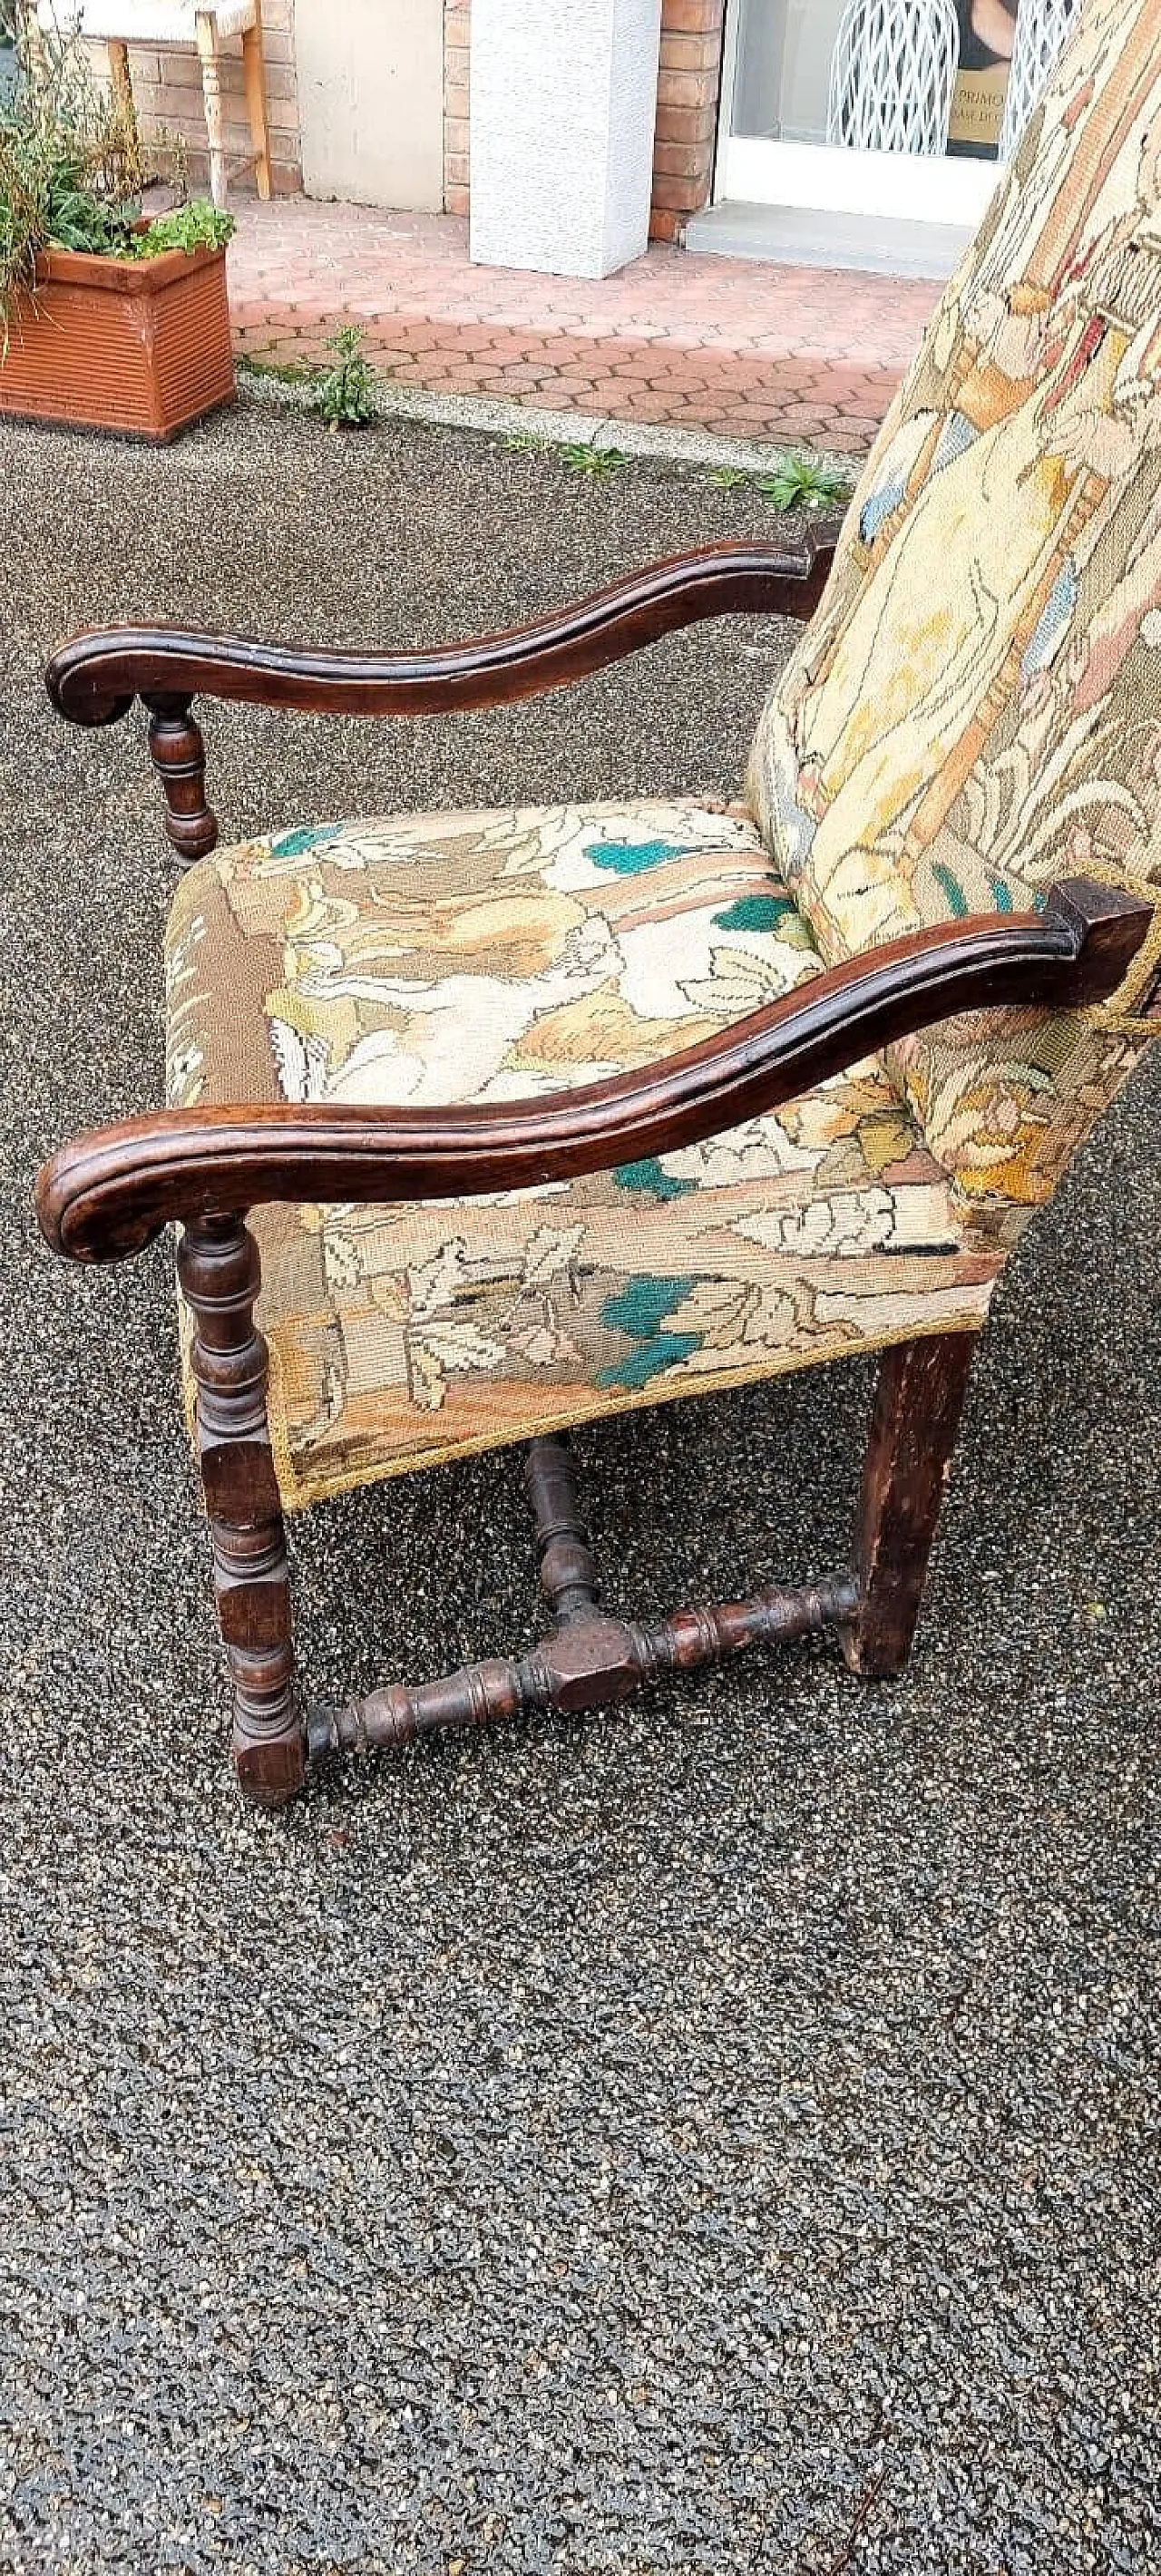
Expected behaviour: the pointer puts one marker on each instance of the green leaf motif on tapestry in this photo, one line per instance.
(640, 1311)
(1001, 894)
(648, 1175)
(631, 858)
(649, 1360)
(957, 902)
(306, 836)
(755, 912)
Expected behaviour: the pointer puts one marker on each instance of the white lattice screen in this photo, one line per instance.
(892, 74)
(1041, 29)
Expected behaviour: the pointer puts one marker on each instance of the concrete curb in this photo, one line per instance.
(557, 428)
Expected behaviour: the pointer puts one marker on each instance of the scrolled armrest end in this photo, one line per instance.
(81, 687)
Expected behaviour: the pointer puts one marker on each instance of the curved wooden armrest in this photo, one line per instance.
(94, 678)
(109, 1193)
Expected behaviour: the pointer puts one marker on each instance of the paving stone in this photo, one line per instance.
(713, 332)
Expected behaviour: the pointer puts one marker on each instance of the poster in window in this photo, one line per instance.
(987, 33)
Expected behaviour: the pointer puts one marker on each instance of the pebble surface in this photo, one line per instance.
(719, 2136)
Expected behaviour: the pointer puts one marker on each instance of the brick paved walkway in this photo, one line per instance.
(747, 351)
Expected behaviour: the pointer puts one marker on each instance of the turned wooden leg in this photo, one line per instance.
(568, 1574)
(918, 1403)
(220, 1276)
(178, 754)
(122, 87)
(211, 63)
(254, 74)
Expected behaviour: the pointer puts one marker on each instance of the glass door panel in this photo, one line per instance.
(889, 107)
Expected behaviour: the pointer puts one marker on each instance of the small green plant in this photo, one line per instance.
(196, 226)
(346, 397)
(803, 483)
(730, 478)
(79, 221)
(524, 442)
(584, 459)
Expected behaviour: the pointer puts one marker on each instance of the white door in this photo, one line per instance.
(775, 148)
(370, 90)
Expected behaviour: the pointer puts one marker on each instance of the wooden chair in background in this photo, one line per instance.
(206, 24)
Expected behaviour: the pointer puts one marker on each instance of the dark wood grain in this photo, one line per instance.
(220, 1276)
(94, 677)
(178, 754)
(591, 1659)
(918, 1402)
(590, 1662)
(108, 1193)
(568, 1574)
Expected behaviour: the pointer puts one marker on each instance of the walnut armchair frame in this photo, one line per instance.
(107, 1194)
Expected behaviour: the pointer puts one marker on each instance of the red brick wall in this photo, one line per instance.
(687, 105)
(687, 111)
(456, 43)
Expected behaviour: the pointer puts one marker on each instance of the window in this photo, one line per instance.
(889, 107)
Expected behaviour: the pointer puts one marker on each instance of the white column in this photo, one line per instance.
(564, 97)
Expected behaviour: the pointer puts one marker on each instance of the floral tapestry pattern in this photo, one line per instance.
(976, 709)
(493, 956)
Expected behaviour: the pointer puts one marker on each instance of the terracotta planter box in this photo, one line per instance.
(136, 345)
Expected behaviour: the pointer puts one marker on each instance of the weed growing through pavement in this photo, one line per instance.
(797, 483)
(803, 483)
(584, 459)
(346, 397)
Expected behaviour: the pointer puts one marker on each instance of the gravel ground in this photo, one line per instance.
(715, 2137)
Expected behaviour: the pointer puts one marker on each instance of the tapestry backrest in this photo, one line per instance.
(975, 711)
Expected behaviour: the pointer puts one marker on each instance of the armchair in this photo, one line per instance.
(484, 1125)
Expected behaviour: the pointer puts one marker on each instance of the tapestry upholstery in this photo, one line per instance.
(976, 709)
(492, 956)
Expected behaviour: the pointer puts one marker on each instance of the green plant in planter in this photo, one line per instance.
(347, 396)
(79, 221)
(196, 226)
(71, 175)
(69, 168)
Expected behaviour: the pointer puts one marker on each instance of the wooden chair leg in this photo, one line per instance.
(918, 1402)
(254, 73)
(211, 63)
(178, 754)
(220, 1276)
(122, 86)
